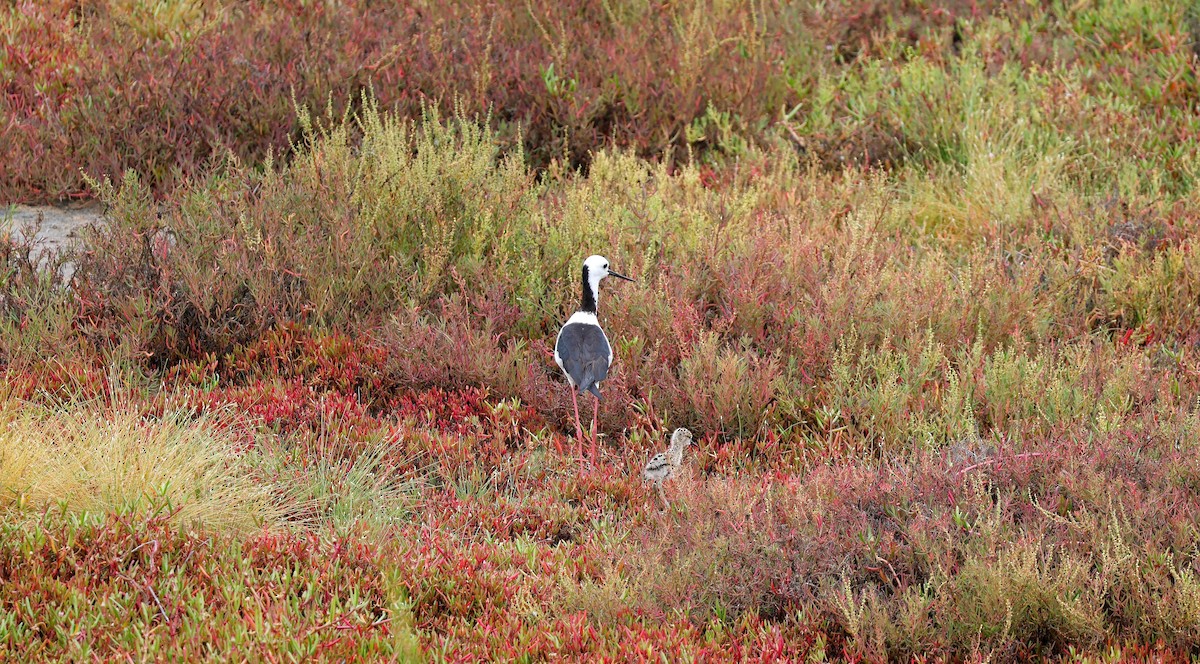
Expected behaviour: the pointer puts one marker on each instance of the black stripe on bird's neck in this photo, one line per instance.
(588, 302)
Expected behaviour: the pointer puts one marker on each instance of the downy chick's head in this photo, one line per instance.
(680, 439)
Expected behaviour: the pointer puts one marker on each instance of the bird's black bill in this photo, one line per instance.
(620, 276)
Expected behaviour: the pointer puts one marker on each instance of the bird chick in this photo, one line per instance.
(664, 465)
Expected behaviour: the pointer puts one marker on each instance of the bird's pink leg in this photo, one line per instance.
(578, 424)
(595, 412)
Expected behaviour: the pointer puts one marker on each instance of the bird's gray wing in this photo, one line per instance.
(599, 373)
(584, 351)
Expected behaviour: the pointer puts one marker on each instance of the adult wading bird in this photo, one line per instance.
(664, 465)
(581, 350)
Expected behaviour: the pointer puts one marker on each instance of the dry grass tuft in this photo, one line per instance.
(89, 461)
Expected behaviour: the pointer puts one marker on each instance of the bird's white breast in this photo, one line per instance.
(585, 317)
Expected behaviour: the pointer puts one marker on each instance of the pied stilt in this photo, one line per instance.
(581, 350)
(663, 466)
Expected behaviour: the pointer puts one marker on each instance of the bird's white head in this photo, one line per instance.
(595, 269)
